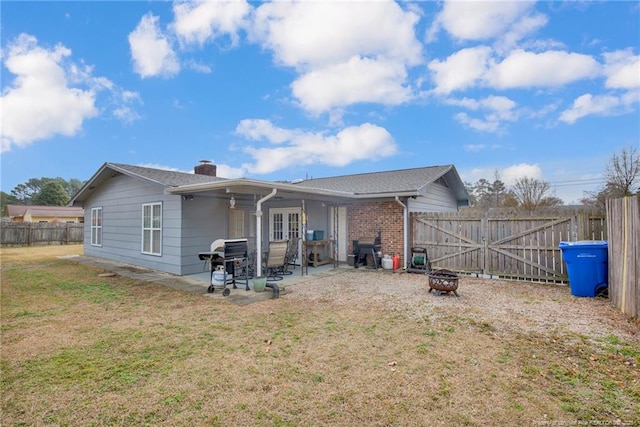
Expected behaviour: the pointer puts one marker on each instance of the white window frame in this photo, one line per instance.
(96, 226)
(152, 230)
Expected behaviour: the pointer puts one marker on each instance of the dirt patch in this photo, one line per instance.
(509, 306)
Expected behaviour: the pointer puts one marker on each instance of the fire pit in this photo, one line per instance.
(443, 281)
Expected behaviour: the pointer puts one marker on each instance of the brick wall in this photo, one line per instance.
(366, 219)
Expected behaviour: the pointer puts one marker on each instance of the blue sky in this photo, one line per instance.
(280, 91)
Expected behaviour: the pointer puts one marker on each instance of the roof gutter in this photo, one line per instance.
(292, 188)
(259, 231)
(252, 185)
(405, 228)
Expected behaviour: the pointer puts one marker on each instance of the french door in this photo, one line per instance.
(284, 223)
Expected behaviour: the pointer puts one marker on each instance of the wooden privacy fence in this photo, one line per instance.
(623, 226)
(507, 244)
(37, 233)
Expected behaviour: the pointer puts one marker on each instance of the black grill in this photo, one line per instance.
(234, 254)
(367, 252)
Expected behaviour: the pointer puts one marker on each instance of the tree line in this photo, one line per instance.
(42, 192)
(621, 175)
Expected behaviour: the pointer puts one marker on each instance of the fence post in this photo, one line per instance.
(484, 226)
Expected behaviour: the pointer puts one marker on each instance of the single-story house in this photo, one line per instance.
(30, 213)
(162, 219)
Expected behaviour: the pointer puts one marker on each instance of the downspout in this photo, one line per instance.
(406, 230)
(276, 290)
(259, 231)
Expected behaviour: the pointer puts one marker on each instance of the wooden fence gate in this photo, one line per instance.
(506, 244)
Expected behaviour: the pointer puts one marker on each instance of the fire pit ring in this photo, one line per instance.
(443, 281)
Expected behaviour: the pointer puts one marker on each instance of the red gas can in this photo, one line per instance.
(396, 261)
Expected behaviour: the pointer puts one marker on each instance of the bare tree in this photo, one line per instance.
(622, 176)
(532, 193)
(623, 173)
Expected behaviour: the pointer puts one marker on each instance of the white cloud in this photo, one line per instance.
(481, 20)
(321, 40)
(477, 124)
(151, 51)
(527, 25)
(197, 67)
(478, 66)
(292, 147)
(497, 109)
(318, 34)
(200, 21)
(226, 171)
(622, 69)
(40, 102)
(552, 68)
(494, 103)
(600, 105)
(258, 129)
(510, 174)
(461, 70)
(354, 81)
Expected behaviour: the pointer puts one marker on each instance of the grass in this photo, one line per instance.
(79, 349)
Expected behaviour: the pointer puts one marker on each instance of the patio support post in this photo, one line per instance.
(406, 229)
(259, 231)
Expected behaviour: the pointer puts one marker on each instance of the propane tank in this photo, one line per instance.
(396, 261)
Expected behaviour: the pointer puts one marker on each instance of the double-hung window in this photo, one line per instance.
(96, 226)
(152, 228)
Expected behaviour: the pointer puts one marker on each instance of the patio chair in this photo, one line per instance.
(291, 257)
(275, 261)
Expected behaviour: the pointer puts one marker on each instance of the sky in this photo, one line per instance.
(288, 90)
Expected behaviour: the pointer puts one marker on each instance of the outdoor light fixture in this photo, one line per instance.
(232, 202)
(187, 197)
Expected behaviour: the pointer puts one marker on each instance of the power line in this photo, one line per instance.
(578, 182)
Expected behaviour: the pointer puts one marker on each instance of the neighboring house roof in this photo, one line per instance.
(404, 182)
(45, 211)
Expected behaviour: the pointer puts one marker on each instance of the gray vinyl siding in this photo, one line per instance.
(438, 198)
(204, 220)
(121, 199)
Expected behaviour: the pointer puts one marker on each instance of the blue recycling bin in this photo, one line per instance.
(587, 266)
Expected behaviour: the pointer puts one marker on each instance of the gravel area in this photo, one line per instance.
(505, 306)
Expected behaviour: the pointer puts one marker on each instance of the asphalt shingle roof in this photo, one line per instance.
(165, 177)
(379, 182)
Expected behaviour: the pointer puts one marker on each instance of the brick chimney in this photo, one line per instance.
(205, 168)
